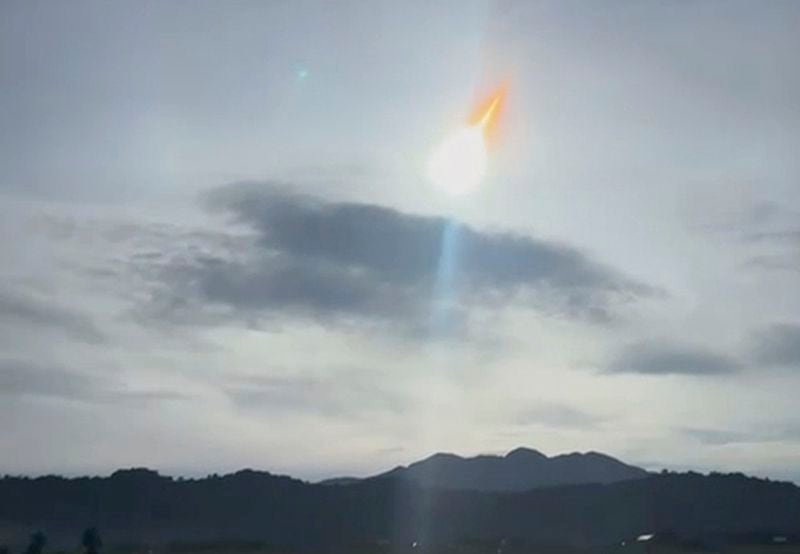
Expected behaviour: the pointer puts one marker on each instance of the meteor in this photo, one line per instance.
(459, 163)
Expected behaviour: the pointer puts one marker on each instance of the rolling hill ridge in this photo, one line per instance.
(520, 470)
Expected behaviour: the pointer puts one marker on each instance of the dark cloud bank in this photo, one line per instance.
(664, 358)
(778, 345)
(352, 262)
(775, 346)
(20, 378)
(19, 308)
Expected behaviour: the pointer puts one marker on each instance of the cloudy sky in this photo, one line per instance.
(220, 249)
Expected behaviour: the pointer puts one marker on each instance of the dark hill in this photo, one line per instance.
(519, 470)
(143, 507)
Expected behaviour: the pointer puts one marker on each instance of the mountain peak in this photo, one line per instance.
(521, 469)
(440, 456)
(523, 452)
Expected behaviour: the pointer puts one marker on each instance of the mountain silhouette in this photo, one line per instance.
(520, 470)
(141, 507)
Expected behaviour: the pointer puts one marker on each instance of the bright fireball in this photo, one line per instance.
(458, 164)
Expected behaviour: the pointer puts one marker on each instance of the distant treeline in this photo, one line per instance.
(139, 506)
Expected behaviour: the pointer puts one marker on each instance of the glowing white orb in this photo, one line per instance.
(458, 165)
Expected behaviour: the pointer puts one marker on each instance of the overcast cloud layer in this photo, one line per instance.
(220, 250)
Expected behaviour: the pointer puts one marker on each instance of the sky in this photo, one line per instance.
(221, 250)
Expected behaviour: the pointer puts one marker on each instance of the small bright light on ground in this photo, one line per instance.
(458, 165)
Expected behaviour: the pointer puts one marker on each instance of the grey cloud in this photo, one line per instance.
(405, 248)
(557, 415)
(717, 437)
(339, 394)
(17, 307)
(745, 222)
(778, 345)
(19, 378)
(777, 241)
(784, 249)
(360, 262)
(765, 228)
(775, 346)
(785, 236)
(774, 262)
(665, 358)
(390, 450)
(720, 437)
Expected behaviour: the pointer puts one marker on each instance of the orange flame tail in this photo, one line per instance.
(486, 113)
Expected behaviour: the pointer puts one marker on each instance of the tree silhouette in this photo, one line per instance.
(38, 540)
(91, 541)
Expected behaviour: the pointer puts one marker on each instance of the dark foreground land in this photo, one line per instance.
(246, 511)
(745, 546)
